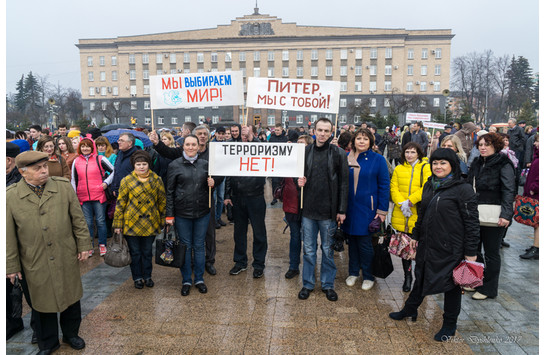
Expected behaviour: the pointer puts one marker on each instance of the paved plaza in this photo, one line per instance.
(240, 314)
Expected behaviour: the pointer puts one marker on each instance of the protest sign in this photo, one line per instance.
(256, 159)
(413, 116)
(434, 125)
(196, 90)
(294, 94)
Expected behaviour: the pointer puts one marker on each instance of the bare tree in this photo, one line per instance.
(501, 83)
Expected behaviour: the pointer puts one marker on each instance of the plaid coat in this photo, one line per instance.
(140, 207)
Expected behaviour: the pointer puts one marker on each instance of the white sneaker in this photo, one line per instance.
(351, 280)
(367, 285)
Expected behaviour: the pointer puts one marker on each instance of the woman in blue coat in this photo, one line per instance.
(368, 198)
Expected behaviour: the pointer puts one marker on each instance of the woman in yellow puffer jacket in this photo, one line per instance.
(406, 192)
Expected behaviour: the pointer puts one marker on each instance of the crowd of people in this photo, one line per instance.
(429, 187)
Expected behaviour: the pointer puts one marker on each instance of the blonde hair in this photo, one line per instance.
(458, 144)
(170, 138)
(104, 141)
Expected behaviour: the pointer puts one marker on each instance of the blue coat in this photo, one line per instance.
(123, 163)
(368, 191)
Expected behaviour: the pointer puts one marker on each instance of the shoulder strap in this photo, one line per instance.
(99, 166)
(422, 174)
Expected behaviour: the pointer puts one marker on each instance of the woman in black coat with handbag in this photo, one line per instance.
(447, 231)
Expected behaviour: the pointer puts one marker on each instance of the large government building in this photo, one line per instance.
(373, 65)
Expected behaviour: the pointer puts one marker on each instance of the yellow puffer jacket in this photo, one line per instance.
(406, 184)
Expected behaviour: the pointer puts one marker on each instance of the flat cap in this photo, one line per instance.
(12, 149)
(29, 158)
(447, 127)
(220, 129)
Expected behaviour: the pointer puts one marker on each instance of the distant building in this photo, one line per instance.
(372, 64)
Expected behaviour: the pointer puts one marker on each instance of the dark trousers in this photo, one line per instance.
(360, 256)
(141, 256)
(210, 239)
(275, 182)
(491, 238)
(14, 323)
(47, 328)
(253, 208)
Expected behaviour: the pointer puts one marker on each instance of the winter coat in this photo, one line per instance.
(13, 176)
(368, 191)
(532, 180)
(88, 176)
(43, 237)
(58, 167)
(69, 157)
(420, 138)
(291, 196)
(407, 183)
(140, 208)
(392, 142)
(529, 150)
(494, 181)
(466, 136)
(447, 229)
(517, 139)
(122, 168)
(282, 138)
(244, 186)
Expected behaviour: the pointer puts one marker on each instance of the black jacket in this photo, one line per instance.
(13, 177)
(447, 229)
(337, 166)
(494, 180)
(517, 139)
(283, 138)
(244, 186)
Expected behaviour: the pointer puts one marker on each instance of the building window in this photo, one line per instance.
(373, 86)
(214, 57)
(344, 70)
(270, 72)
(173, 58)
(187, 58)
(424, 53)
(116, 105)
(299, 55)
(342, 118)
(102, 76)
(409, 69)
(242, 56)
(423, 103)
(200, 57)
(344, 54)
(314, 54)
(313, 118)
(131, 59)
(114, 60)
(373, 53)
(145, 74)
(146, 89)
(386, 102)
(372, 70)
(159, 72)
(344, 86)
(409, 86)
(103, 105)
(437, 53)
(299, 72)
(422, 86)
(357, 70)
(173, 71)
(314, 71)
(270, 55)
(159, 58)
(271, 120)
(285, 72)
(257, 72)
(436, 86)
(243, 70)
(359, 53)
(200, 70)
(89, 61)
(160, 120)
(227, 57)
(91, 106)
(357, 86)
(437, 69)
(102, 61)
(435, 102)
(424, 70)
(387, 86)
(285, 55)
(342, 103)
(257, 56)
(357, 118)
(133, 90)
(329, 54)
(115, 90)
(187, 71)
(187, 119)
(329, 70)
(103, 90)
(410, 53)
(299, 119)
(357, 102)
(91, 76)
(373, 102)
(145, 58)
(134, 105)
(388, 53)
(174, 120)
(387, 70)
(132, 74)
(147, 105)
(147, 120)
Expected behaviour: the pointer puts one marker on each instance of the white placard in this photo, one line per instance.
(434, 125)
(414, 116)
(256, 159)
(294, 94)
(196, 90)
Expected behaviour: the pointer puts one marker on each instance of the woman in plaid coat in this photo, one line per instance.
(140, 214)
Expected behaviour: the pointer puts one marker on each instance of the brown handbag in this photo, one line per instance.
(118, 254)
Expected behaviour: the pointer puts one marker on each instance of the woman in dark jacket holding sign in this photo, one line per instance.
(447, 231)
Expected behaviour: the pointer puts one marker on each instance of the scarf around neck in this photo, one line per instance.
(440, 182)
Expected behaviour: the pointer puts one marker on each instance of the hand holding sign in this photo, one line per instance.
(154, 137)
(302, 181)
(210, 182)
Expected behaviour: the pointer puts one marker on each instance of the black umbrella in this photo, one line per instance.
(113, 126)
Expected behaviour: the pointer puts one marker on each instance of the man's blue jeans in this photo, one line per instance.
(192, 232)
(92, 210)
(219, 193)
(328, 270)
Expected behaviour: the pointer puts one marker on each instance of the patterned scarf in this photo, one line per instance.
(38, 190)
(437, 182)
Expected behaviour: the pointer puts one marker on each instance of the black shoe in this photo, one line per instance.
(201, 287)
(218, 226)
(408, 282)
(149, 282)
(48, 351)
(15, 331)
(291, 274)
(237, 270)
(76, 342)
(304, 293)
(34, 339)
(331, 294)
(529, 248)
(273, 202)
(445, 333)
(258, 273)
(139, 284)
(403, 314)
(185, 290)
(209, 267)
(504, 244)
(532, 254)
(221, 223)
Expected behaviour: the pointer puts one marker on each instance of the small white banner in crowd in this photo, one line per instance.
(196, 90)
(413, 116)
(294, 94)
(256, 159)
(434, 125)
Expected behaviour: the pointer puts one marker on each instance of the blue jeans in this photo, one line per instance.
(295, 245)
(192, 232)
(328, 270)
(91, 210)
(360, 256)
(219, 193)
(141, 256)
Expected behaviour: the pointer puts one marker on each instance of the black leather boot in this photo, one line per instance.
(407, 268)
(404, 314)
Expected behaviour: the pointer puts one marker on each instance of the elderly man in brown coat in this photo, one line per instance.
(46, 236)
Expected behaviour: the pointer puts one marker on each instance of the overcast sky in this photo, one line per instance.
(41, 35)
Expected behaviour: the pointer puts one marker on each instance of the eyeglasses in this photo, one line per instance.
(121, 141)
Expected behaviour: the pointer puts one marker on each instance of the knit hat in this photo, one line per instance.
(22, 143)
(74, 133)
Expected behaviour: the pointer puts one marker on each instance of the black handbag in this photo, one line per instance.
(16, 297)
(118, 254)
(339, 239)
(169, 251)
(382, 259)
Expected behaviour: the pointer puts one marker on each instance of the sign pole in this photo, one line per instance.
(152, 121)
(431, 141)
(209, 195)
(302, 188)
(336, 121)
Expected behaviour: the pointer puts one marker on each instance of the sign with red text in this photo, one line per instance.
(294, 94)
(256, 159)
(414, 116)
(435, 125)
(196, 90)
